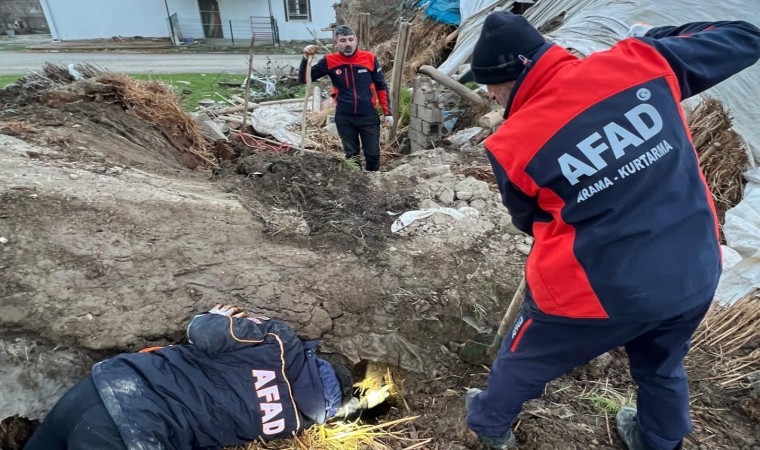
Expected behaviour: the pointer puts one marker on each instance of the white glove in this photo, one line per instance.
(638, 30)
(376, 397)
(227, 310)
(389, 120)
(310, 50)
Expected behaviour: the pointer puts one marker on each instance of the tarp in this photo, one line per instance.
(444, 11)
(742, 231)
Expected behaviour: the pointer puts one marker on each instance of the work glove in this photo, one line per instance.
(227, 310)
(375, 397)
(496, 443)
(389, 120)
(638, 30)
(310, 50)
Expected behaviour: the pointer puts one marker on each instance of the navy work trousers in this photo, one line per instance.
(538, 351)
(79, 421)
(351, 128)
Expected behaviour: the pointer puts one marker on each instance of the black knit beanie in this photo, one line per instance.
(505, 37)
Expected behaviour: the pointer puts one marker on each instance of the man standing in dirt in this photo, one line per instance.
(595, 161)
(358, 84)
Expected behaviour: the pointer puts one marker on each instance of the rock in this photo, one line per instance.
(115, 170)
(3, 240)
(73, 176)
(446, 197)
(472, 189)
(529, 240)
(469, 212)
(210, 129)
(511, 229)
(441, 219)
(428, 204)
(434, 171)
(522, 248)
(478, 204)
(206, 102)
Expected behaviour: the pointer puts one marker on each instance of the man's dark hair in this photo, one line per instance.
(344, 30)
(345, 379)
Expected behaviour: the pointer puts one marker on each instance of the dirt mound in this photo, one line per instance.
(322, 200)
(83, 108)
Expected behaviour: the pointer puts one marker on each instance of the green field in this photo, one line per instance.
(5, 80)
(193, 87)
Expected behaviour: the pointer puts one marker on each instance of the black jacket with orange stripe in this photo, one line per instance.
(239, 380)
(358, 81)
(596, 161)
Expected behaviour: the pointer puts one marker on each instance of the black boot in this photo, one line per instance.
(493, 443)
(628, 429)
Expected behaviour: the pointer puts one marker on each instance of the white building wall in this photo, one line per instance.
(93, 19)
(322, 15)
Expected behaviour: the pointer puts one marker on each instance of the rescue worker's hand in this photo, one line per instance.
(375, 397)
(227, 310)
(310, 50)
(389, 120)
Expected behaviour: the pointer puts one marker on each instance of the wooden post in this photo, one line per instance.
(316, 99)
(453, 84)
(248, 84)
(306, 100)
(363, 31)
(397, 76)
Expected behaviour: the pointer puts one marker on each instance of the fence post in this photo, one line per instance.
(232, 35)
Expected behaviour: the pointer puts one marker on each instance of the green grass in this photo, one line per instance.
(193, 87)
(5, 80)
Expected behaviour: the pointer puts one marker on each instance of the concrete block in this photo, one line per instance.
(428, 114)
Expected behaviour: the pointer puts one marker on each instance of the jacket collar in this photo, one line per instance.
(547, 61)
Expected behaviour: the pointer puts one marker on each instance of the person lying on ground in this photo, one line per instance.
(595, 160)
(239, 379)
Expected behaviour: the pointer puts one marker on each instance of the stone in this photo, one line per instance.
(478, 204)
(441, 219)
(446, 197)
(73, 176)
(471, 189)
(3, 240)
(522, 248)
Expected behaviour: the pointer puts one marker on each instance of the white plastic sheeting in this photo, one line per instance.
(474, 13)
(742, 231)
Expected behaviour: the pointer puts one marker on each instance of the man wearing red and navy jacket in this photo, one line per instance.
(595, 160)
(358, 85)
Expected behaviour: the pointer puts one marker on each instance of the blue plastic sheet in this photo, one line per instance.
(445, 11)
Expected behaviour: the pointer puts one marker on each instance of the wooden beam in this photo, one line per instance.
(453, 84)
(363, 30)
(397, 76)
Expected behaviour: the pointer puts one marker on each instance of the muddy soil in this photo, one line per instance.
(111, 244)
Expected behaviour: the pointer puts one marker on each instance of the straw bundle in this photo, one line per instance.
(727, 344)
(156, 102)
(722, 154)
(430, 40)
(348, 435)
